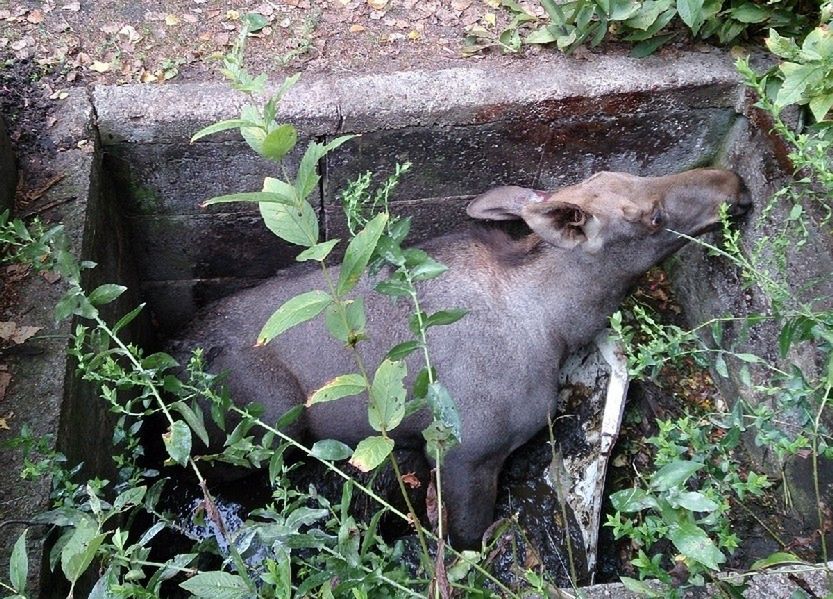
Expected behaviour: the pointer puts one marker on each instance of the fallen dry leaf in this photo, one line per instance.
(100, 67)
(7, 329)
(51, 276)
(377, 4)
(171, 20)
(72, 6)
(411, 480)
(24, 333)
(357, 28)
(111, 28)
(35, 17)
(3, 422)
(130, 33)
(189, 18)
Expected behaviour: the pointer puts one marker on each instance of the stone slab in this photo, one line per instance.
(206, 247)
(175, 178)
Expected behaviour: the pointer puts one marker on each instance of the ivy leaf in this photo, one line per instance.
(371, 452)
(293, 312)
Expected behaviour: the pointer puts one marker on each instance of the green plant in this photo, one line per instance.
(686, 500)
(647, 24)
(300, 544)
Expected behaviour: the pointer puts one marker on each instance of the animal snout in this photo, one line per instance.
(743, 202)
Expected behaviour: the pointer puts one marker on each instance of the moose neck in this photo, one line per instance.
(574, 292)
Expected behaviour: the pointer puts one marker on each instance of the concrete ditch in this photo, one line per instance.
(546, 123)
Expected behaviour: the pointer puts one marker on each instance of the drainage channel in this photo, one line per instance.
(545, 124)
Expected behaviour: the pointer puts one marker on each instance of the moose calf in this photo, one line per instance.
(531, 300)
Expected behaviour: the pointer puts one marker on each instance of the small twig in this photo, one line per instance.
(49, 206)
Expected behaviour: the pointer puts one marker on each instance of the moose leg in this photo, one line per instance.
(469, 496)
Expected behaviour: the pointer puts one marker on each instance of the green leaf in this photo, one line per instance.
(540, 36)
(217, 585)
(127, 318)
(371, 452)
(296, 223)
(387, 396)
(444, 409)
(749, 13)
(178, 442)
(221, 126)
(395, 286)
(358, 253)
(19, 564)
(632, 500)
(445, 317)
(781, 46)
(693, 542)
(403, 350)
(255, 21)
(695, 502)
(331, 450)
(720, 366)
(160, 361)
(640, 588)
(289, 417)
(260, 197)
(429, 269)
(820, 105)
(649, 46)
(347, 325)
(254, 134)
(317, 252)
(674, 474)
(105, 294)
(691, 12)
(621, 10)
(341, 386)
(776, 559)
(307, 177)
(751, 358)
(797, 78)
(194, 419)
(280, 141)
(295, 311)
(79, 551)
(133, 496)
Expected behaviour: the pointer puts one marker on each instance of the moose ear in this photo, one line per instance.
(504, 203)
(565, 225)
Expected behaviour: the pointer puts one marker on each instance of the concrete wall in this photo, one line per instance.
(542, 123)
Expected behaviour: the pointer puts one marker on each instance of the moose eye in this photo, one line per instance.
(657, 218)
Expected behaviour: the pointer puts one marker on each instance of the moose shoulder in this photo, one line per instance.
(530, 299)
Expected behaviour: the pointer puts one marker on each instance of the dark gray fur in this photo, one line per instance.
(531, 301)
